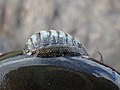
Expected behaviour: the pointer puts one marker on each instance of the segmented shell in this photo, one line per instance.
(53, 43)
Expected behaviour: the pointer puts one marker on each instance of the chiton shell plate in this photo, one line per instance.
(54, 43)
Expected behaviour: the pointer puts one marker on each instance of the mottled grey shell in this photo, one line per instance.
(54, 43)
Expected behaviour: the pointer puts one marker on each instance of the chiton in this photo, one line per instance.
(52, 44)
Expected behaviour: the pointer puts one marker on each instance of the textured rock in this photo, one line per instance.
(94, 22)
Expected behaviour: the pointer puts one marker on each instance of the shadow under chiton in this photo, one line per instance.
(53, 60)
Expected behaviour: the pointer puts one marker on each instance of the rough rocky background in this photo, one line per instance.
(96, 23)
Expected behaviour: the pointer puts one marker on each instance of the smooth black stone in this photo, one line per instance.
(59, 73)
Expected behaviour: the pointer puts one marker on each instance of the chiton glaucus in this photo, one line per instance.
(54, 43)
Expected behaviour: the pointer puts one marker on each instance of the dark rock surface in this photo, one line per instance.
(63, 73)
(95, 23)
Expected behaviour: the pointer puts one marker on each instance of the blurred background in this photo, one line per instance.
(96, 23)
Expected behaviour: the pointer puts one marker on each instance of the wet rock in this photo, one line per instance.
(75, 73)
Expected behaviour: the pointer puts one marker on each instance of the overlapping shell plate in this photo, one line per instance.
(53, 43)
